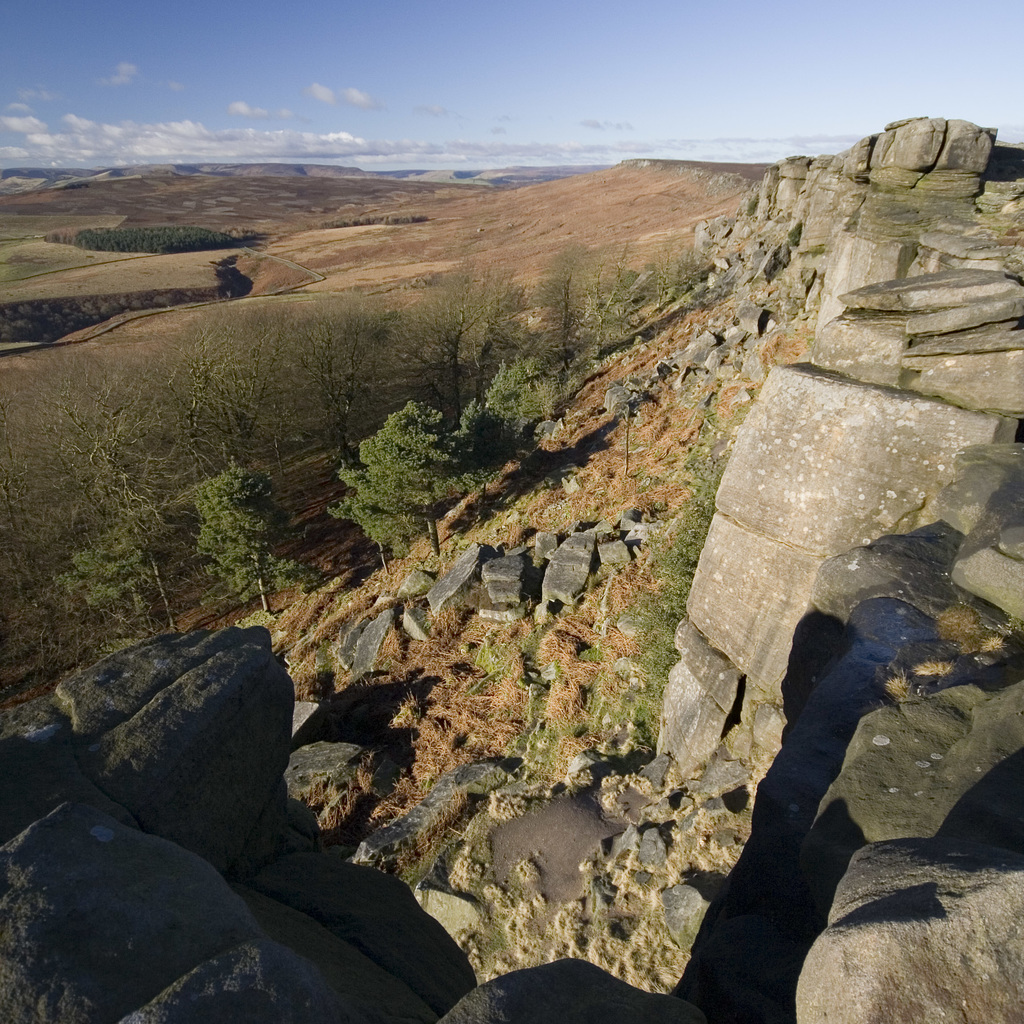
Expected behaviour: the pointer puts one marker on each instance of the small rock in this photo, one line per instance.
(414, 622)
(416, 584)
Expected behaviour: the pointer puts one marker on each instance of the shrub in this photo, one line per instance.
(156, 239)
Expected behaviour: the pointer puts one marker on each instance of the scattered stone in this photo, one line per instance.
(369, 643)
(568, 569)
(652, 851)
(451, 590)
(509, 580)
(544, 544)
(345, 646)
(416, 584)
(321, 764)
(614, 552)
(684, 912)
(414, 622)
(477, 778)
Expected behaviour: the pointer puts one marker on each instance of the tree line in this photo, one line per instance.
(105, 465)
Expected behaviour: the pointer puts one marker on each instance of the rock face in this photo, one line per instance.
(822, 463)
(566, 992)
(920, 929)
(120, 910)
(150, 727)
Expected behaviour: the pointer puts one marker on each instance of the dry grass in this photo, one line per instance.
(897, 686)
(934, 668)
(962, 624)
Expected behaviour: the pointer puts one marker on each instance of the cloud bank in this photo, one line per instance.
(123, 75)
(79, 141)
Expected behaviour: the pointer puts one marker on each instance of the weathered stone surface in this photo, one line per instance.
(362, 984)
(828, 463)
(157, 722)
(544, 544)
(913, 567)
(614, 552)
(856, 261)
(993, 576)
(722, 773)
(302, 713)
(39, 770)
(323, 763)
(567, 992)
(700, 694)
(920, 930)
(752, 318)
(684, 911)
(990, 381)
(962, 318)
(416, 584)
(370, 640)
(911, 145)
(950, 764)
(617, 400)
(345, 646)
(981, 471)
(451, 589)
(100, 918)
(259, 982)
(747, 956)
(510, 579)
(477, 778)
(868, 348)
(748, 593)
(769, 721)
(966, 148)
(945, 290)
(378, 915)
(414, 622)
(568, 569)
(1001, 337)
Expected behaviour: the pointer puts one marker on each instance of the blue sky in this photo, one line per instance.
(393, 83)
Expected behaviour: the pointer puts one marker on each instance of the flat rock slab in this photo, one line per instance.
(370, 640)
(980, 473)
(920, 930)
(990, 381)
(567, 992)
(867, 348)
(451, 590)
(944, 290)
(568, 569)
(825, 463)
(477, 778)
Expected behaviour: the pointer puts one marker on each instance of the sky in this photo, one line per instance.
(390, 84)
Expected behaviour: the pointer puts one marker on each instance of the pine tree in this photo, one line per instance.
(408, 467)
(240, 524)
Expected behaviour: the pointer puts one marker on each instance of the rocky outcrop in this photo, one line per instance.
(118, 904)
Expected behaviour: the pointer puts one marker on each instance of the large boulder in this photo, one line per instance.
(100, 918)
(379, 916)
(567, 992)
(920, 930)
(186, 736)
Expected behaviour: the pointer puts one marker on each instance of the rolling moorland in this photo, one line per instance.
(667, 651)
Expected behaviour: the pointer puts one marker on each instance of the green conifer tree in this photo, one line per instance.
(408, 467)
(240, 524)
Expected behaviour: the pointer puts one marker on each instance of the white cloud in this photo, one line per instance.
(321, 93)
(39, 93)
(175, 86)
(123, 74)
(25, 125)
(431, 110)
(19, 108)
(79, 141)
(242, 109)
(363, 100)
(618, 126)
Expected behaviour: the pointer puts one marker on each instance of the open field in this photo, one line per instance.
(640, 210)
(261, 204)
(121, 274)
(636, 212)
